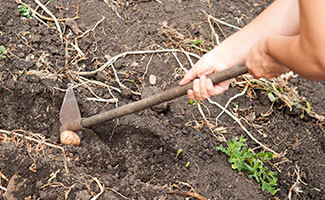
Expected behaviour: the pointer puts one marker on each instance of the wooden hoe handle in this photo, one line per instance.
(159, 98)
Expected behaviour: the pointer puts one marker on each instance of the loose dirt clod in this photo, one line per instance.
(69, 137)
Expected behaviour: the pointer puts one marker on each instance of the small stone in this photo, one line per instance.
(152, 79)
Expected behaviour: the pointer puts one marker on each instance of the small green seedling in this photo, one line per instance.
(179, 152)
(191, 101)
(244, 159)
(25, 12)
(3, 51)
(272, 97)
(196, 42)
(187, 164)
(308, 109)
(236, 106)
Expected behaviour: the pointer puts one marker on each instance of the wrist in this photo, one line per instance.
(229, 55)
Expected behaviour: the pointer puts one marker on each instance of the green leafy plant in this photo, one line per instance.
(25, 12)
(3, 51)
(187, 164)
(244, 159)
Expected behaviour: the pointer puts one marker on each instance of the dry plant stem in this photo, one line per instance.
(76, 47)
(3, 176)
(147, 66)
(116, 192)
(40, 20)
(115, 58)
(3, 188)
(207, 121)
(101, 187)
(39, 142)
(201, 111)
(321, 118)
(110, 4)
(85, 81)
(295, 185)
(179, 62)
(117, 79)
(54, 18)
(220, 21)
(40, 17)
(188, 57)
(213, 31)
(93, 29)
(230, 100)
(243, 127)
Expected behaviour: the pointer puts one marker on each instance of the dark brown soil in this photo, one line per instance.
(134, 157)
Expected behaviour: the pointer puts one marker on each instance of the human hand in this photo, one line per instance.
(261, 64)
(203, 87)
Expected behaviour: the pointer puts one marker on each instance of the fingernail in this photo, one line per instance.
(181, 82)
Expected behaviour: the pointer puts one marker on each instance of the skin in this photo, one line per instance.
(288, 35)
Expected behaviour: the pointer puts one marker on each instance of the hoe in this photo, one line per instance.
(71, 119)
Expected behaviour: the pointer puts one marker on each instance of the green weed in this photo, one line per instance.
(244, 159)
(25, 12)
(191, 101)
(3, 52)
(179, 152)
(196, 42)
(236, 106)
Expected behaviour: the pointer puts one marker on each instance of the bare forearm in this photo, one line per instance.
(281, 17)
(303, 53)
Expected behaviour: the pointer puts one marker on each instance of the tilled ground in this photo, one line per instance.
(135, 157)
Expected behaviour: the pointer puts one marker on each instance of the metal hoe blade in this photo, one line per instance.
(70, 110)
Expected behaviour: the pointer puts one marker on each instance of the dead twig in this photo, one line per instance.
(53, 17)
(14, 132)
(220, 21)
(101, 187)
(3, 177)
(39, 16)
(147, 66)
(295, 187)
(213, 31)
(115, 58)
(243, 127)
(3, 188)
(112, 5)
(117, 78)
(116, 192)
(230, 100)
(179, 62)
(190, 193)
